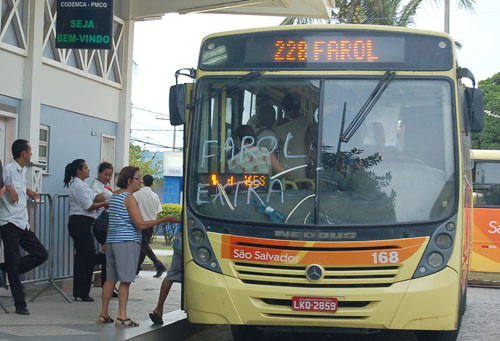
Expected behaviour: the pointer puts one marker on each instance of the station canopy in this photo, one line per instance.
(155, 9)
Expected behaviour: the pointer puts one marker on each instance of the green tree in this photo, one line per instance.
(375, 12)
(145, 167)
(489, 138)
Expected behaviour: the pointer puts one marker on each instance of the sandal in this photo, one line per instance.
(104, 319)
(157, 319)
(122, 323)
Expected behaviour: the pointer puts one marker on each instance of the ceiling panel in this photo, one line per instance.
(152, 9)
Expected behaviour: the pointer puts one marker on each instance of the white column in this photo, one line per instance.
(29, 118)
(447, 16)
(123, 133)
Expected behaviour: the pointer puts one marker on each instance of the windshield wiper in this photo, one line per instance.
(367, 107)
(245, 78)
(345, 136)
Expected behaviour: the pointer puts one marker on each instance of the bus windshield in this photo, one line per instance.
(267, 151)
(486, 176)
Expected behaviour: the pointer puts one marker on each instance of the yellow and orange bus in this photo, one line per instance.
(486, 234)
(327, 180)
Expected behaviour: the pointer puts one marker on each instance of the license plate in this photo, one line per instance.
(300, 303)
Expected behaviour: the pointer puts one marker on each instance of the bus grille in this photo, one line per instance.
(335, 277)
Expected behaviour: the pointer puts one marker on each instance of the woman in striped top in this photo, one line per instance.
(123, 244)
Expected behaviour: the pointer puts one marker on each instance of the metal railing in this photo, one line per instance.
(60, 247)
(39, 219)
(48, 218)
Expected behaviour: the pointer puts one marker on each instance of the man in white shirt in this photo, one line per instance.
(3, 281)
(14, 224)
(149, 205)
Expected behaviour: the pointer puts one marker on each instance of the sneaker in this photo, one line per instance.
(160, 271)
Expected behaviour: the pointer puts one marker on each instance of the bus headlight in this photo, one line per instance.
(439, 249)
(197, 236)
(203, 254)
(450, 226)
(435, 259)
(443, 241)
(199, 245)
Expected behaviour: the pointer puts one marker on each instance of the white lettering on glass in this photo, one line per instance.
(228, 145)
(289, 156)
(245, 145)
(274, 143)
(199, 193)
(271, 190)
(204, 155)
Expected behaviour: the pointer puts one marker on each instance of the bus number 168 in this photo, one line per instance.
(385, 257)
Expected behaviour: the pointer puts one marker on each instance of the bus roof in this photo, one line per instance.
(483, 154)
(328, 47)
(332, 26)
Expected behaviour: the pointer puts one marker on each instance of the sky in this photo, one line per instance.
(163, 46)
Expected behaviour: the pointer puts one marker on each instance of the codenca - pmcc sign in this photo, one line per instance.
(84, 24)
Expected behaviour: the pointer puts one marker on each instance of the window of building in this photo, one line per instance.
(43, 147)
(108, 152)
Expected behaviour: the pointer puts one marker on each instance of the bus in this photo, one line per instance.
(486, 233)
(327, 180)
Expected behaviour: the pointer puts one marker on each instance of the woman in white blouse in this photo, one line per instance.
(101, 185)
(83, 206)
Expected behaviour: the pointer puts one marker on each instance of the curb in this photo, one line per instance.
(176, 327)
(484, 284)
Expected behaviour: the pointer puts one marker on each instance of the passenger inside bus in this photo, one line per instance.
(292, 136)
(264, 128)
(252, 159)
(262, 101)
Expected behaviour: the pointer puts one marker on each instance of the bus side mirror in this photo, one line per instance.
(475, 109)
(177, 104)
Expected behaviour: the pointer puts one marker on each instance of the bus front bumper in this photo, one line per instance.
(429, 303)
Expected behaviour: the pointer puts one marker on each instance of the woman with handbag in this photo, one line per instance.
(83, 206)
(100, 227)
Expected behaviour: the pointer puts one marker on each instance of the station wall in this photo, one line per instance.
(72, 136)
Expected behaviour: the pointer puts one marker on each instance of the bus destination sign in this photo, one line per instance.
(84, 24)
(327, 49)
(324, 49)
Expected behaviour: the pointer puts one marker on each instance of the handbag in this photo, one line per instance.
(100, 227)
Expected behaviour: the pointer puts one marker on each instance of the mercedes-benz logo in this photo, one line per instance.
(314, 272)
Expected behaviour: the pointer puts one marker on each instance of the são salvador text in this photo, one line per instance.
(264, 256)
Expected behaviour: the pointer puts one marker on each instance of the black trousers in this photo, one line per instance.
(147, 251)
(15, 265)
(79, 229)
